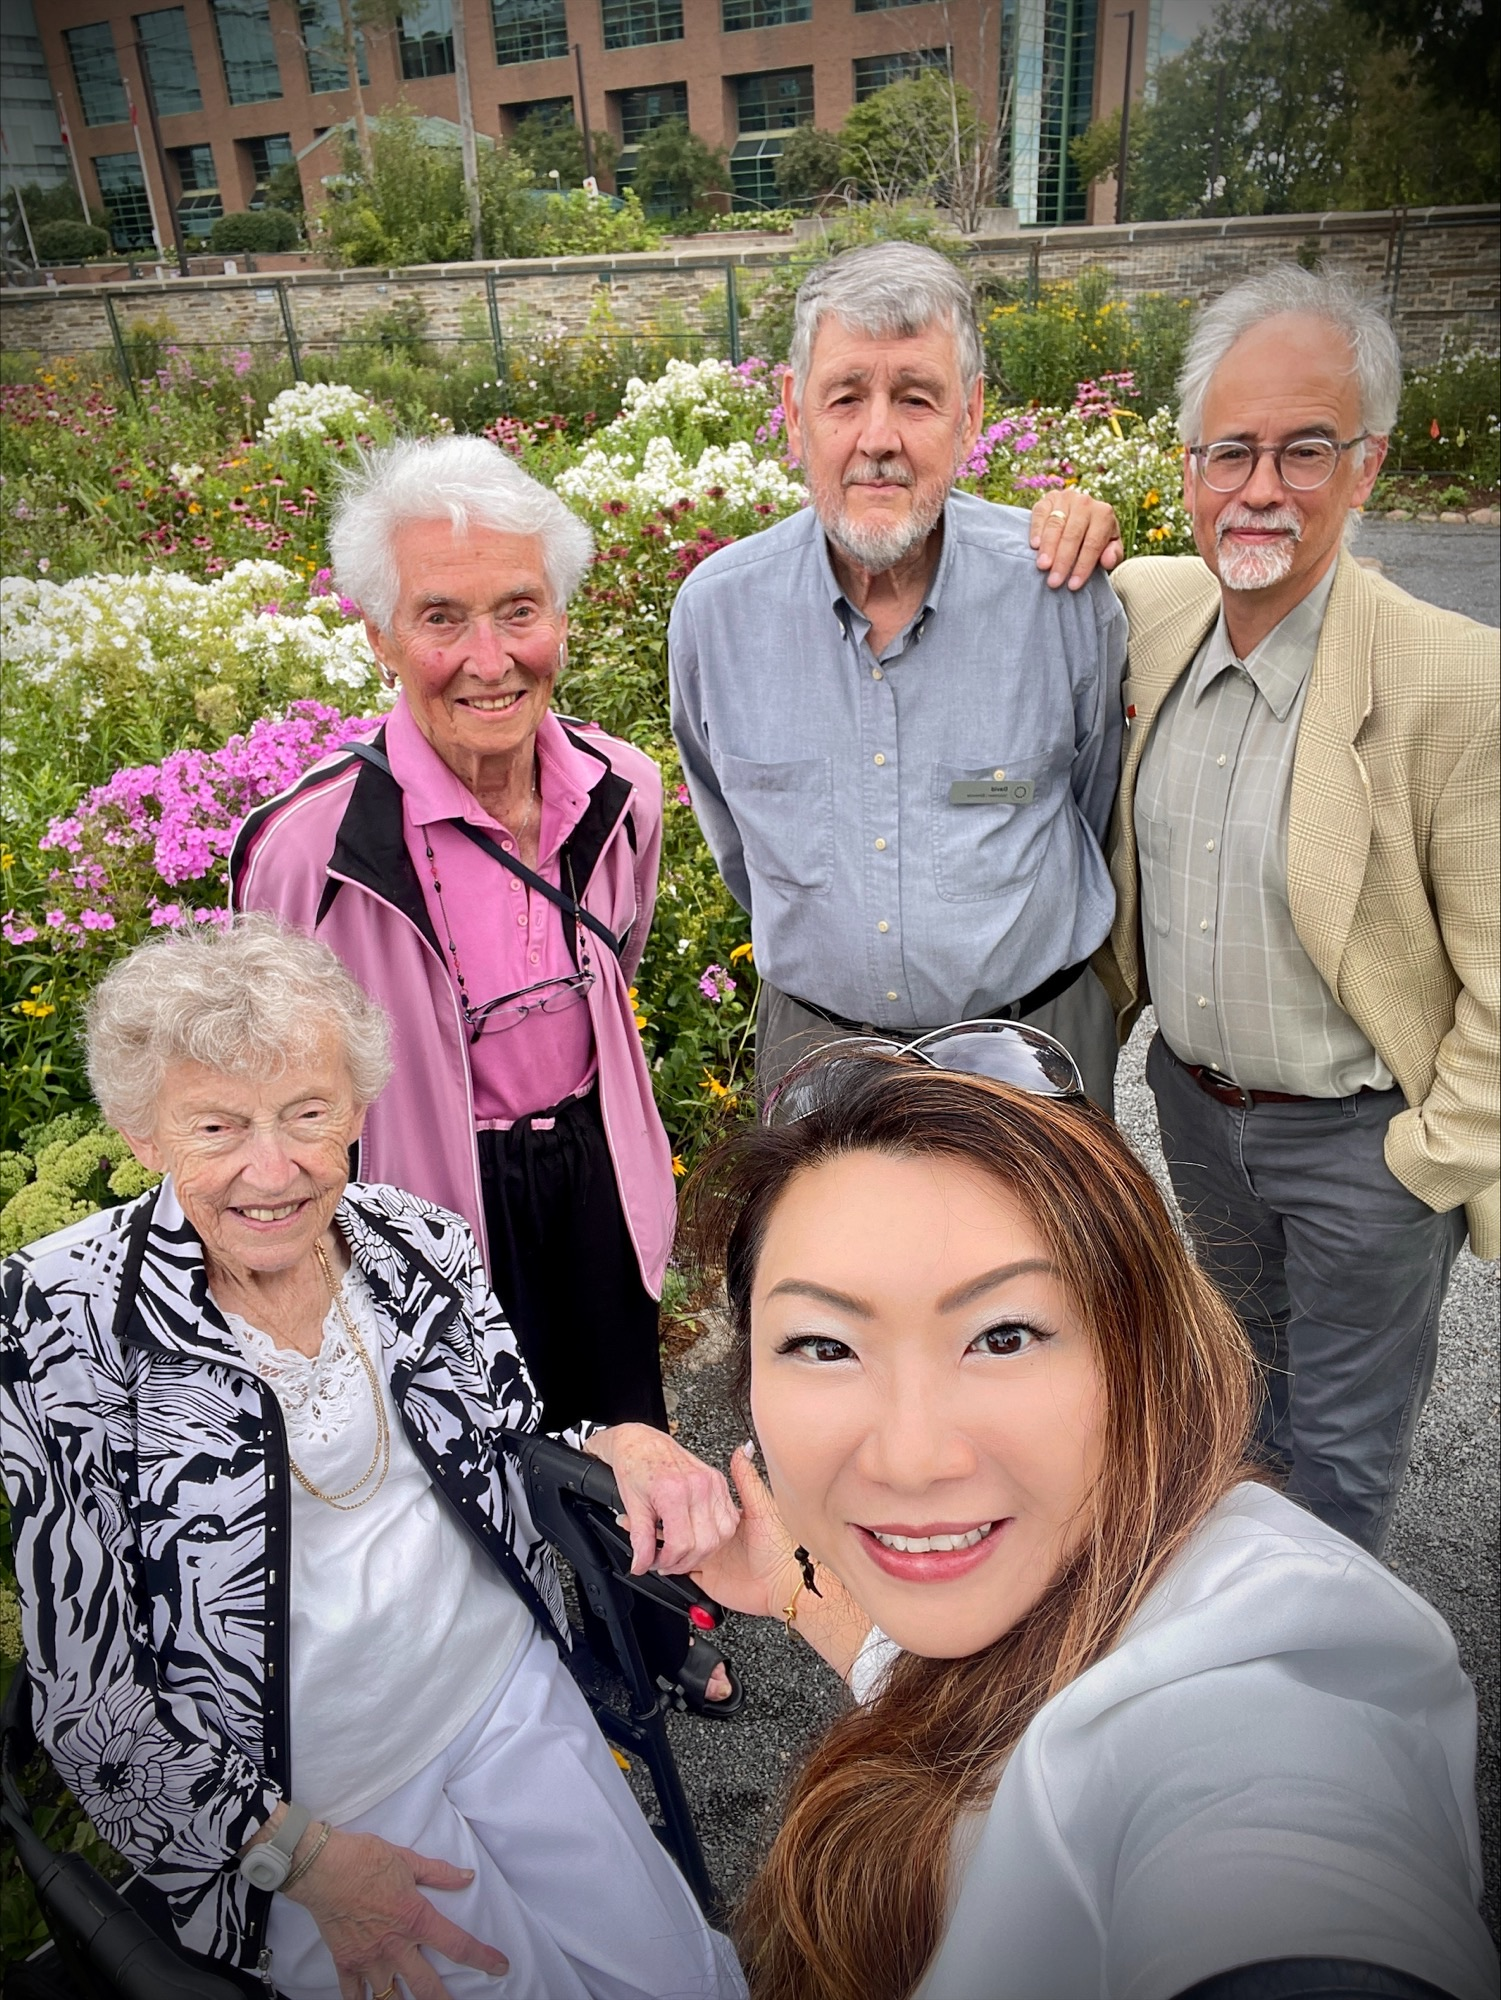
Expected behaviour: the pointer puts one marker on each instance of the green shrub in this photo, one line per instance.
(1080, 332)
(70, 242)
(1448, 419)
(254, 229)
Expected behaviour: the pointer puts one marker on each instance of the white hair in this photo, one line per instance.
(1375, 358)
(467, 481)
(247, 1000)
(887, 291)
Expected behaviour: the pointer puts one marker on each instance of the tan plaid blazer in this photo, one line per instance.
(1393, 850)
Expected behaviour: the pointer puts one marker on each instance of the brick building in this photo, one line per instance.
(242, 86)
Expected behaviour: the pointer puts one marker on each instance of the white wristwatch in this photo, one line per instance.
(268, 1864)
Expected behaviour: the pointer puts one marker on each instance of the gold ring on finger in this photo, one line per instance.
(1054, 514)
(388, 1994)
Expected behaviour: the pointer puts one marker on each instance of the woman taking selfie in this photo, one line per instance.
(1129, 1724)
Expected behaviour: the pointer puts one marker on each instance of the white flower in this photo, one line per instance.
(316, 409)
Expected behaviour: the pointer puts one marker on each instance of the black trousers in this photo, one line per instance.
(563, 1265)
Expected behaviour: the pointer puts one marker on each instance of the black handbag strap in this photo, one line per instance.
(569, 905)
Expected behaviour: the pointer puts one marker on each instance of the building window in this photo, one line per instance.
(122, 188)
(546, 112)
(775, 101)
(266, 155)
(763, 13)
(642, 111)
(425, 33)
(873, 73)
(753, 173)
(246, 50)
(169, 60)
(529, 30)
(628, 24)
(880, 6)
(199, 205)
(323, 44)
(96, 71)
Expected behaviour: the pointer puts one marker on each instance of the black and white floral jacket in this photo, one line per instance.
(148, 1479)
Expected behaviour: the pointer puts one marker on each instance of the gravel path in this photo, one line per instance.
(1445, 1539)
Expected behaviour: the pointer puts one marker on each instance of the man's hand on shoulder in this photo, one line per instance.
(1073, 536)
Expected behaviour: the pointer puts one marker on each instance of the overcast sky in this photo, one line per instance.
(1181, 21)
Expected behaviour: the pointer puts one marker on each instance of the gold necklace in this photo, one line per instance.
(381, 1456)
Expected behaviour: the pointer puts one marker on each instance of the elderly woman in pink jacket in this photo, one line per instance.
(488, 871)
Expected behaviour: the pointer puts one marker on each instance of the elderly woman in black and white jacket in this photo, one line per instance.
(287, 1613)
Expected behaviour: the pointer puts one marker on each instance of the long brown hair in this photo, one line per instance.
(851, 1902)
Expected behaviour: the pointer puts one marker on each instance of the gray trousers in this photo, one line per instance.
(1336, 1270)
(1081, 1019)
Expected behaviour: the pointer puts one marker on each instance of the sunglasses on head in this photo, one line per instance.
(1004, 1051)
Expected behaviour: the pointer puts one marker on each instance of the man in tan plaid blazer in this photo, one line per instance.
(1305, 856)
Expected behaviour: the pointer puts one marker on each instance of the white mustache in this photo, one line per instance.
(884, 471)
(1281, 519)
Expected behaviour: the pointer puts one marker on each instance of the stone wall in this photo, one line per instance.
(1438, 269)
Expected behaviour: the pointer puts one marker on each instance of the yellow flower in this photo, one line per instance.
(712, 1084)
(1152, 498)
(36, 1010)
(194, 508)
(742, 951)
(677, 1165)
(7, 859)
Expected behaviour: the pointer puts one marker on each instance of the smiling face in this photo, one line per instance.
(928, 1401)
(1289, 377)
(882, 428)
(259, 1165)
(475, 641)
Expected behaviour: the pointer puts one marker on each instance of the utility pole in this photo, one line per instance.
(466, 130)
(1129, 17)
(1214, 150)
(161, 161)
(578, 58)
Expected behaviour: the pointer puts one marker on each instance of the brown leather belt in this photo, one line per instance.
(1223, 1091)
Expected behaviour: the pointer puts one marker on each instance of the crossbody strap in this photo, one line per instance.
(569, 905)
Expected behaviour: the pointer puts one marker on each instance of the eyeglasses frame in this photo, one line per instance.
(1200, 453)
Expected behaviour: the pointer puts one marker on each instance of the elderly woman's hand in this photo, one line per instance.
(365, 1897)
(669, 1496)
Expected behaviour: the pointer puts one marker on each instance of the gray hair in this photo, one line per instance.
(1376, 360)
(467, 481)
(247, 1000)
(887, 291)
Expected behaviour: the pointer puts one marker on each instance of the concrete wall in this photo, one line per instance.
(1438, 269)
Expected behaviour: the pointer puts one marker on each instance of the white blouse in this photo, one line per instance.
(1277, 1761)
(399, 1624)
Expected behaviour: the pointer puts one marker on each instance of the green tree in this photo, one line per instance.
(58, 203)
(408, 208)
(1455, 46)
(284, 189)
(549, 149)
(910, 141)
(676, 171)
(810, 165)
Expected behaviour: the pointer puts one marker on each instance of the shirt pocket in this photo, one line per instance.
(1156, 842)
(784, 813)
(982, 852)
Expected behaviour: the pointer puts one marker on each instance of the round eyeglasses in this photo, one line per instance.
(1004, 1051)
(1304, 464)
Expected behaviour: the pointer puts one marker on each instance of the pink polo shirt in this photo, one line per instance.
(506, 935)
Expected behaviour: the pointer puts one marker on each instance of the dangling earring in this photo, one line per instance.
(387, 678)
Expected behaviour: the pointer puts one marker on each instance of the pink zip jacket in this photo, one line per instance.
(328, 856)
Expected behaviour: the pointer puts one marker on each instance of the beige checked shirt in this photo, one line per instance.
(1234, 989)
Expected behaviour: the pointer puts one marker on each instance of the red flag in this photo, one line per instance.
(62, 119)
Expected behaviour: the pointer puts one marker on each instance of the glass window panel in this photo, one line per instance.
(753, 173)
(763, 13)
(425, 33)
(529, 30)
(628, 24)
(246, 50)
(774, 101)
(122, 188)
(266, 155)
(169, 60)
(195, 167)
(880, 6)
(547, 112)
(96, 71)
(642, 111)
(323, 43)
(873, 73)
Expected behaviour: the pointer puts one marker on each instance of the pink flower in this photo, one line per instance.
(682, 795)
(55, 920)
(715, 984)
(96, 920)
(15, 933)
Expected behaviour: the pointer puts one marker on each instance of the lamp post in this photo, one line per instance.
(578, 58)
(1129, 17)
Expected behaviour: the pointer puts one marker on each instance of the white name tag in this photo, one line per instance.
(991, 792)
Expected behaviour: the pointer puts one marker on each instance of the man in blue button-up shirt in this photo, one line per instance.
(901, 744)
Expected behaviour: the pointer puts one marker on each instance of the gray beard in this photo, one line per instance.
(880, 548)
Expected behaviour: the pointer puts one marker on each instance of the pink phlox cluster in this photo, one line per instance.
(321, 584)
(16, 930)
(715, 984)
(1095, 401)
(1013, 434)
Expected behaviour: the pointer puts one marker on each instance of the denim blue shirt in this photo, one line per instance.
(831, 783)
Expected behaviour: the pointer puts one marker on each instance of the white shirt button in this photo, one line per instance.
(883, 925)
(880, 846)
(876, 674)
(998, 775)
(1220, 761)
(1202, 1001)
(890, 996)
(1209, 847)
(1203, 923)
(879, 758)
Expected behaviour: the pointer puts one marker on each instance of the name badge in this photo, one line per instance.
(992, 792)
